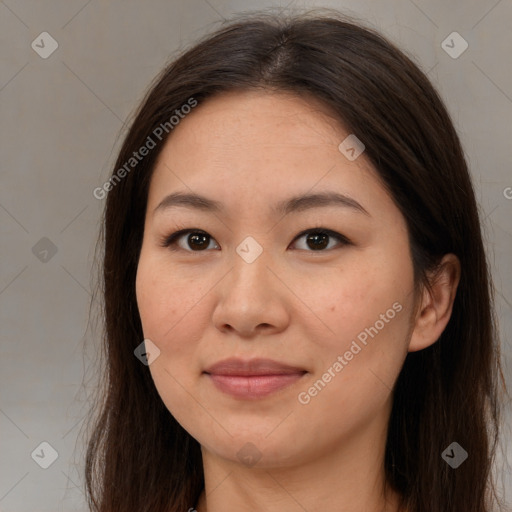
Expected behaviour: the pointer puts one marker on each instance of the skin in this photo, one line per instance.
(293, 304)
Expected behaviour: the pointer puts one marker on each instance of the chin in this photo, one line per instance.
(257, 448)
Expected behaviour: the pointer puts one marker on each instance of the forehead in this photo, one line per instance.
(238, 145)
(233, 118)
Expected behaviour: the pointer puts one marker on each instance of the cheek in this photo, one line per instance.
(357, 370)
(166, 306)
(166, 298)
(358, 297)
(370, 338)
(368, 310)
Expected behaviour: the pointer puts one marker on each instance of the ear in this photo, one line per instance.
(435, 309)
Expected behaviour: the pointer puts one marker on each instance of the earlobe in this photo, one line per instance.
(436, 306)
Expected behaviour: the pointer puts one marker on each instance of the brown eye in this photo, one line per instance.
(195, 241)
(198, 241)
(319, 240)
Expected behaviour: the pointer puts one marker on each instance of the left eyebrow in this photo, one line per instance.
(322, 199)
(294, 204)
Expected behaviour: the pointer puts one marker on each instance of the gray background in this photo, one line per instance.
(62, 123)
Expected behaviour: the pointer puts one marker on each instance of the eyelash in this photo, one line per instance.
(170, 241)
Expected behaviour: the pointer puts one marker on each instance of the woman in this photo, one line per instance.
(298, 309)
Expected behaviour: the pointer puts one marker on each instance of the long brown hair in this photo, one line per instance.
(138, 456)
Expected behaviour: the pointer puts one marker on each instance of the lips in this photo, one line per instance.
(254, 378)
(234, 366)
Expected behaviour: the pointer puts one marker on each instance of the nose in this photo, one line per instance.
(252, 300)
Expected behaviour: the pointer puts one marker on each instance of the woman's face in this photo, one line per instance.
(334, 315)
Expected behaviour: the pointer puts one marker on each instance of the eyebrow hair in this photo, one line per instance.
(294, 204)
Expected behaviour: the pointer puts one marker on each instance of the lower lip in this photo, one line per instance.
(254, 386)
